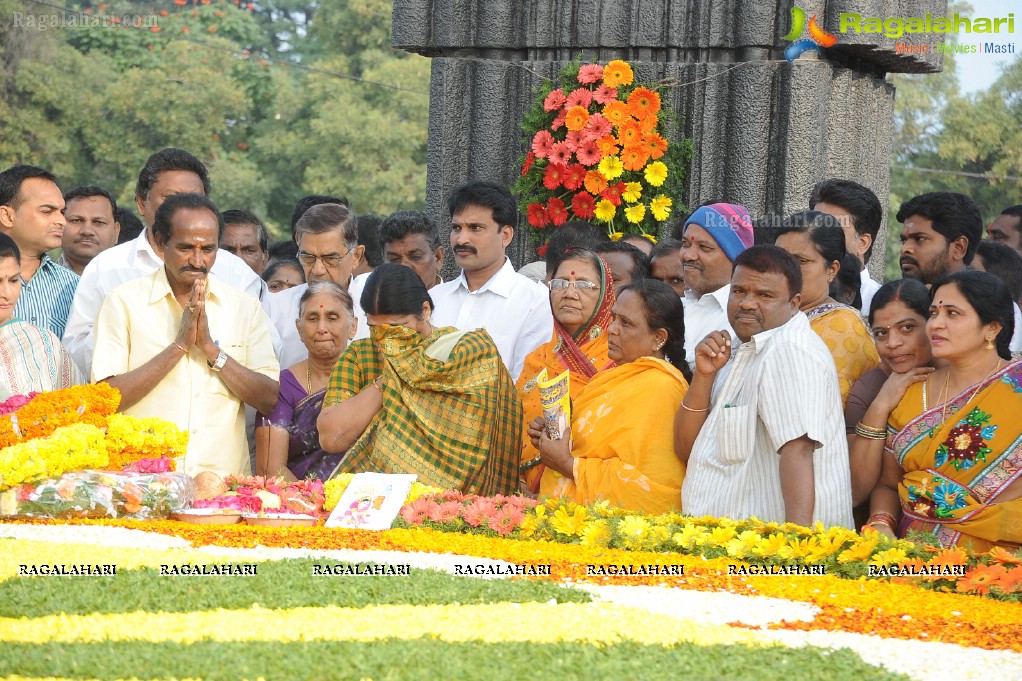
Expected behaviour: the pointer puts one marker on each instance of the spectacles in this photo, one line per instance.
(563, 284)
(329, 261)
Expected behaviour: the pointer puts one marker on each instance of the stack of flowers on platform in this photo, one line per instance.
(144, 445)
(458, 512)
(335, 486)
(259, 494)
(41, 414)
(598, 151)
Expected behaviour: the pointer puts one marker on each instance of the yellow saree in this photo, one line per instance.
(623, 441)
(958, 459)
(583, 353)
(848, 340)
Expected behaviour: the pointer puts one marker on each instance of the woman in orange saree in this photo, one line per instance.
(622, 434)
(581, 295)
(955, 440)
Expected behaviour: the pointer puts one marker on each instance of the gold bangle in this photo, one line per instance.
(871, 429)
(181, 347)
(870, 433)
(695, 411)
(379, 383)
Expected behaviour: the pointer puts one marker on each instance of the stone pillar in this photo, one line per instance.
(765, 130)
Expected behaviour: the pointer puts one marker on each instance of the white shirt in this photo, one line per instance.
(1016, 338)
(777, 387)
(704, 314)
(867, 290)
(513, 309)
(284, 308)
(132, 260)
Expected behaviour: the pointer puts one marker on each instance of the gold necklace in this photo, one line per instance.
(308, 375)
(943, 406)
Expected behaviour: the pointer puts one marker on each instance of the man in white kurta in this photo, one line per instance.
(780, 386)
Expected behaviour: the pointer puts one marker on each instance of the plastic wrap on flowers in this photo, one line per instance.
(101, 494)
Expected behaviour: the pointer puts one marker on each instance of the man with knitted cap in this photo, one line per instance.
(714, 236)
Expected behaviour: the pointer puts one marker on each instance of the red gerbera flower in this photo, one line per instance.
(537, 215)
(583, 205)
(541, 251)
(582, 97)
(574, 177)
(599, 126)
(529, 159)
(560, 154)
(559, 121)
(554, 176)
(554, 100)
(613, 193)
(557, 212)
(574, 139)
(541, 143)
(605, 94)
(590, 73)
(589, 153)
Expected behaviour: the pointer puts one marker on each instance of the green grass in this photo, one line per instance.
(425, 659)
(279, 584)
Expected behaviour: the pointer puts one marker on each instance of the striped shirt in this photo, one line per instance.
(779, 386)
(45, 300)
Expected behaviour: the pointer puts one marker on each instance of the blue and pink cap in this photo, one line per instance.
(728, 223)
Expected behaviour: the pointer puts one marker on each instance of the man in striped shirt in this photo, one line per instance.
(31, 212)
(761, 429)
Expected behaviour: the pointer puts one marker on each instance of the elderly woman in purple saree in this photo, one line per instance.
(287, 441)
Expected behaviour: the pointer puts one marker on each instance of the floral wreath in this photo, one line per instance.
(598, 151)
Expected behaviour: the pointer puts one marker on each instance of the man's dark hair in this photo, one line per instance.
(284, 249)
(329, 217)
(404, 223)
(369, 236)
(165, 214)
(1004, 263)
(766, 258)
(11, 179)
(131, 226)
(640, 263)
(665, 247)
(165, 160)
(488, 195)
(87, 191)
(9, 249)
(860, 202)
(572, 234)
(237, 216)
(307, 202)
(953, 215)
(394, 289)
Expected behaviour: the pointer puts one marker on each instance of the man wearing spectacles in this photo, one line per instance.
(328, 250)
(488, 293)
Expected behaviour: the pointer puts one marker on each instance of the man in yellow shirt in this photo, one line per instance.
(185, 346)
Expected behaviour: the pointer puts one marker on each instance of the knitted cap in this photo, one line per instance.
(728, 223)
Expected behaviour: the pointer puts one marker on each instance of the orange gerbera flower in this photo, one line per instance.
(629, 133)
(617, 73)
(649, 123)
(634, 157)
(576, 118)
(617, 112)
(595, 182)
(952, 556)
(1011, 581)
(643, 102)
(980, 579)
(999, 555)
(608, 145)
(656, 144)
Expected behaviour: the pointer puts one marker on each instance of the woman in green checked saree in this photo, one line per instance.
(417, 399)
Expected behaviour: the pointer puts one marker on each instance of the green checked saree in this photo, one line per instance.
(450, 410)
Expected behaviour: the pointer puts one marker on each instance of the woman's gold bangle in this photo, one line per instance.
(869, 432)
(695, 411)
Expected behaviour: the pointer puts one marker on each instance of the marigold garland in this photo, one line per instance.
(130, 439)
(68, 448)
(91, 404)
(597, 150)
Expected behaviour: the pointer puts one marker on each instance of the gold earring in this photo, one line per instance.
(990, 344)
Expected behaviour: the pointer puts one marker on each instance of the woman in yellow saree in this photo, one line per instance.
(955, 440)
(622, 441)
(581, 296)
(413, 398)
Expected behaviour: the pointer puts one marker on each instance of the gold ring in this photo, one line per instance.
(191, 308)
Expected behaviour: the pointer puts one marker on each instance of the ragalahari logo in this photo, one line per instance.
(817, 36)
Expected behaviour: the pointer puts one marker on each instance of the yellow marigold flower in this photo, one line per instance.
(743, 544)
(605, 211)
(597, 533)
(635, 213)
(889, 557)
(632, 192)
(334, 488)
(660, 206)
(655, 173)
(569, 521)
(611, 167)
(617, 73)
(859, 552)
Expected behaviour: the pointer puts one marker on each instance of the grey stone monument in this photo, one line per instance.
(765, 130)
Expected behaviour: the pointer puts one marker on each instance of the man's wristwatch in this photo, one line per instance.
(217, 365)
